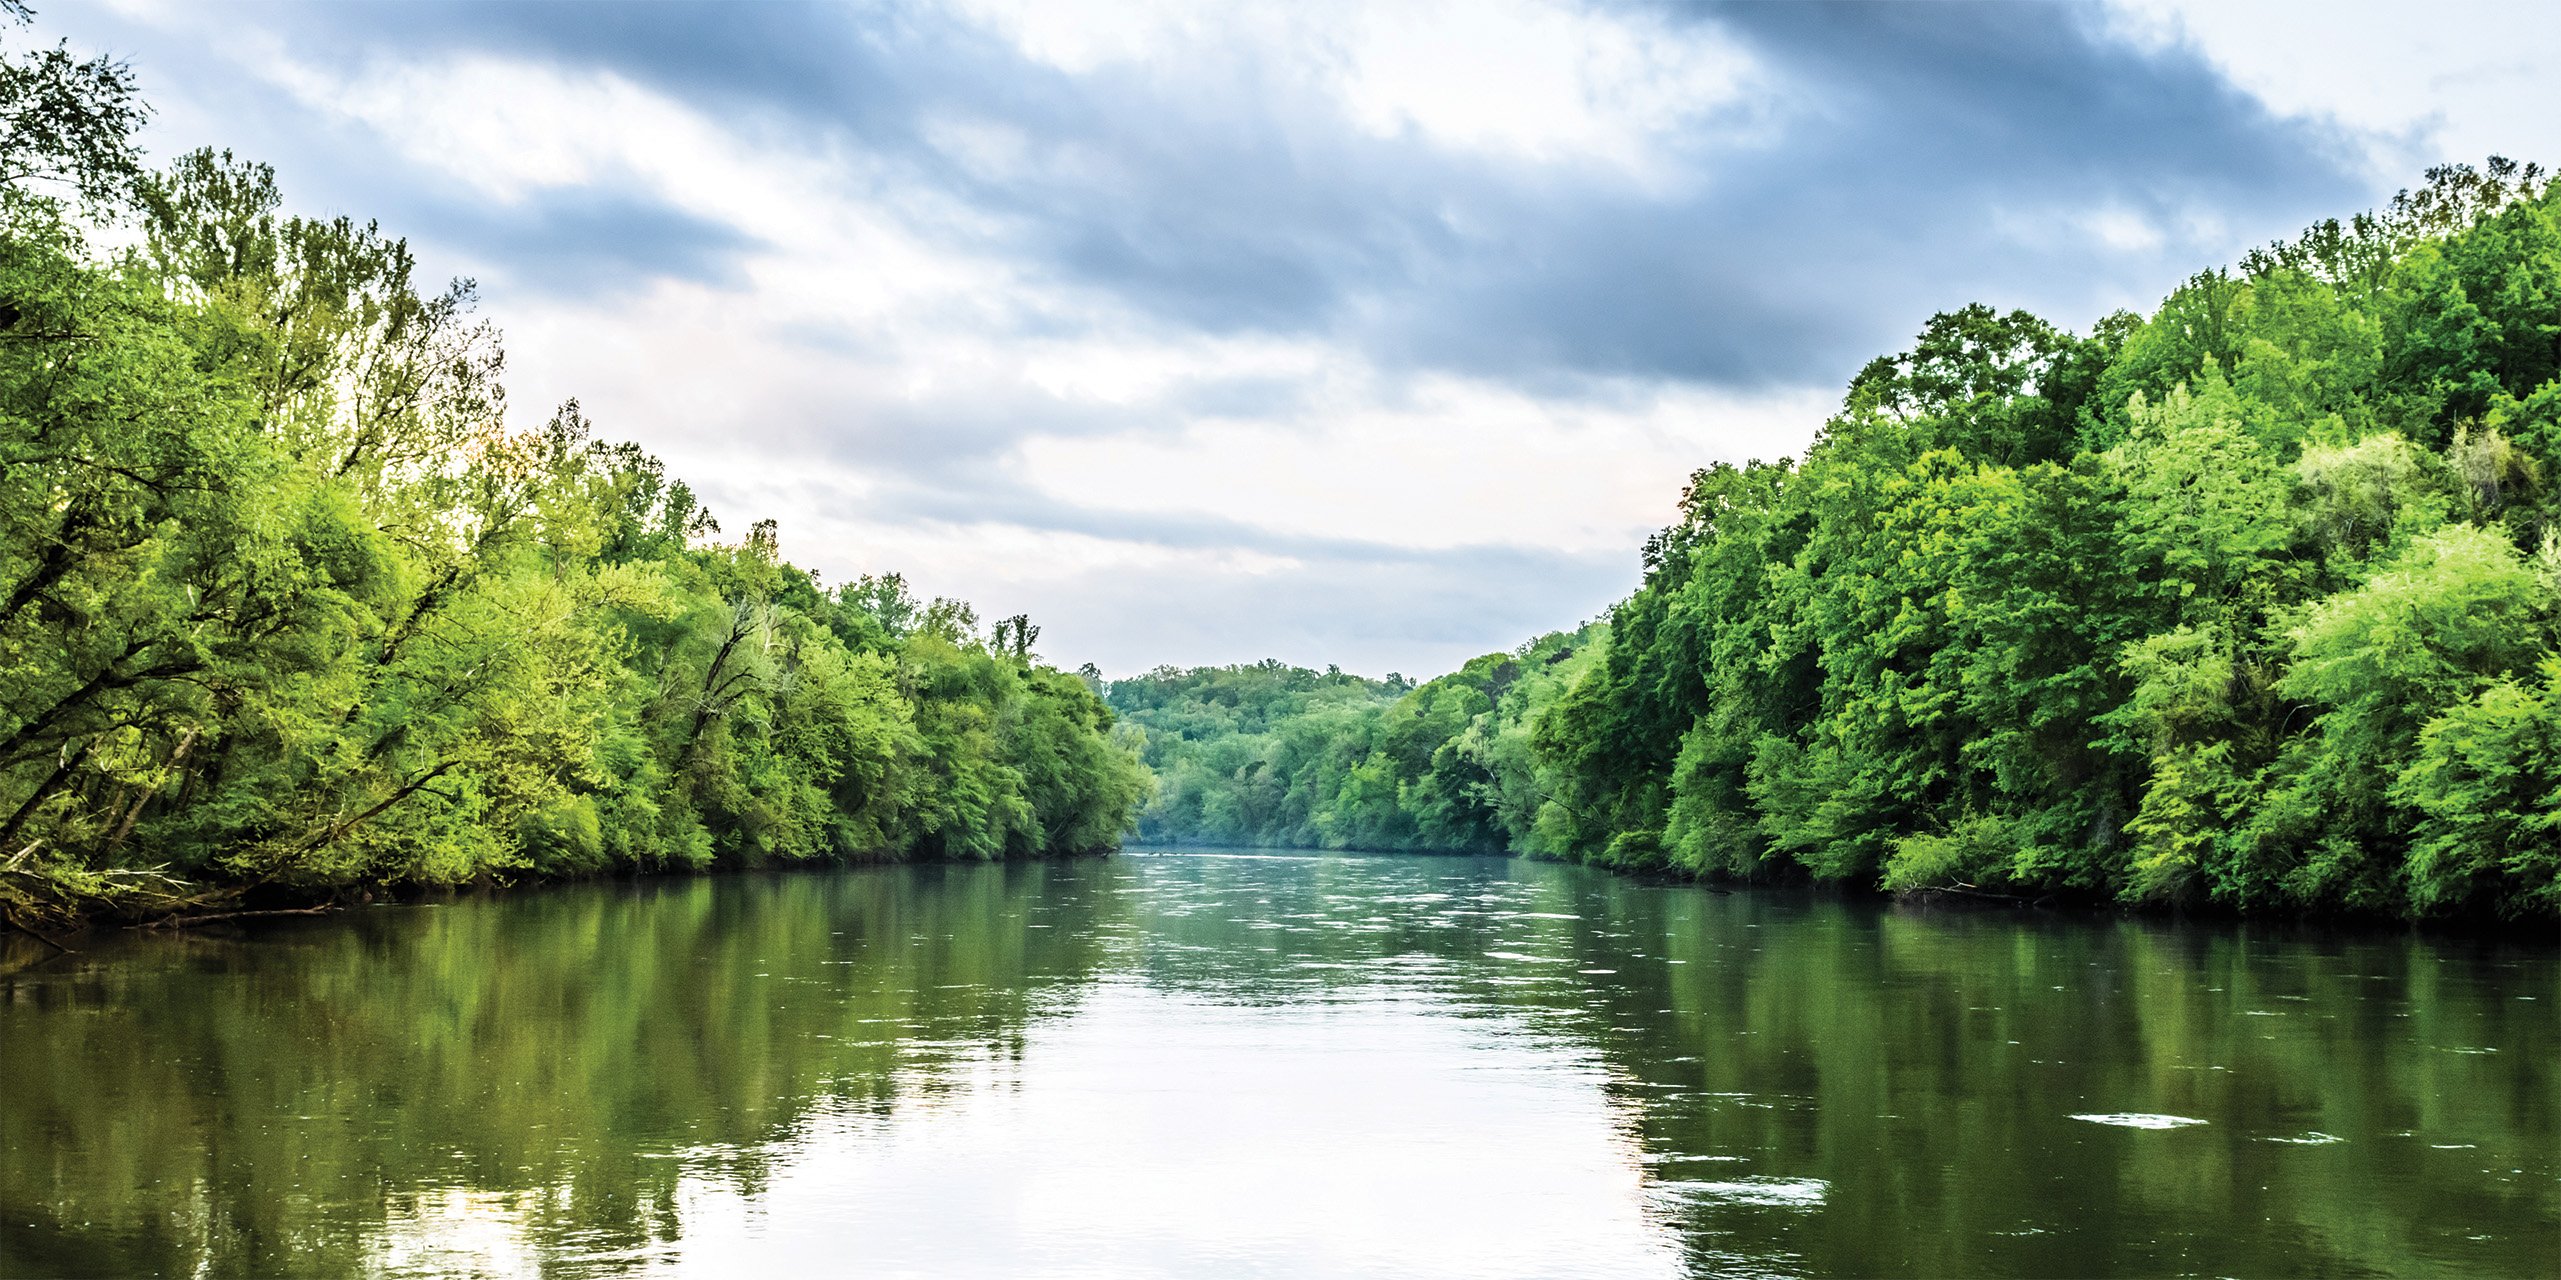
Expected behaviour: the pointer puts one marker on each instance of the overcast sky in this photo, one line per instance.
(1369, 333)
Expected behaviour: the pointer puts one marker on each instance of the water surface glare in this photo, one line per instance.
(1205, 1064)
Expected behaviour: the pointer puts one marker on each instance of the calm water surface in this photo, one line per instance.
(1217, 1065)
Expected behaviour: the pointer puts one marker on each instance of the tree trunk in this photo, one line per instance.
(44, 791)
(125, 828)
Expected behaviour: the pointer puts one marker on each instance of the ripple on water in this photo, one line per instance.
(1761, 1192)
(2140, 1120)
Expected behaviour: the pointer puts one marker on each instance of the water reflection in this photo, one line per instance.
(529, 1076)
(1199, 1064)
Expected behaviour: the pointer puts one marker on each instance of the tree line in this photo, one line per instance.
(1268, 754)
(2249, 603)
(287, 606)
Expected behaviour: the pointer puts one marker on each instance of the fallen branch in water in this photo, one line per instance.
(184, 921)
(1970, 891)
(33, 898)
(31, 932)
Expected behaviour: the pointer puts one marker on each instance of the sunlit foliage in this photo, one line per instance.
(2252, 602)
(288, 606)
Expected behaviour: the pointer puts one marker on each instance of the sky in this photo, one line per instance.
(1339, 331)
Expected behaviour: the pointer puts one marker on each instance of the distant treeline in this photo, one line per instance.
(284, 604)
(1283, 756)
(2252, 603)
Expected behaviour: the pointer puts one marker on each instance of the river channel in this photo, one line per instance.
(1230, 1064)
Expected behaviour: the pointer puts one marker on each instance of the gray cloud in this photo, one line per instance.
(591, 243)
(1874, 189)
(1910, 135)
(1898, 159)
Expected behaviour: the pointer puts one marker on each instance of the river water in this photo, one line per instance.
(1211, 1065)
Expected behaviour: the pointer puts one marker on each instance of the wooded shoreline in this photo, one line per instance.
(289, 610)
(2251, 604)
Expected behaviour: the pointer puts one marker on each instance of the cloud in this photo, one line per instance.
(594, 244)
(1738, 194)
(1915, 158)
(1332, 330)
(2418, 85)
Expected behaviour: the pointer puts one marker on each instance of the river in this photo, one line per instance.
(1227, 1064)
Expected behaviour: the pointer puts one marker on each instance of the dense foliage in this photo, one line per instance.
(2252, 602)
(1276, 755)
(284, 601)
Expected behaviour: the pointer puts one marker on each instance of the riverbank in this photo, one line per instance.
(2480, 924)
(2060, 904)
(145, 899)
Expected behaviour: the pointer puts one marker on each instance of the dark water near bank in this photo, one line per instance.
(1210, 1065)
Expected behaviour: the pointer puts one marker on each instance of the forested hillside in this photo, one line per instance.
(1276, 755)
(2251, 602)
(286, 604)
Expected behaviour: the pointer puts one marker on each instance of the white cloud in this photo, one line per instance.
(1533, 80)
(1450, 463)
(1082, 36)
(2426, 83)
(505, 129)
(2112, 226)
(1544, 81)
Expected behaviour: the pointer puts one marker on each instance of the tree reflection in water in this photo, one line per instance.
(1286, 1063)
